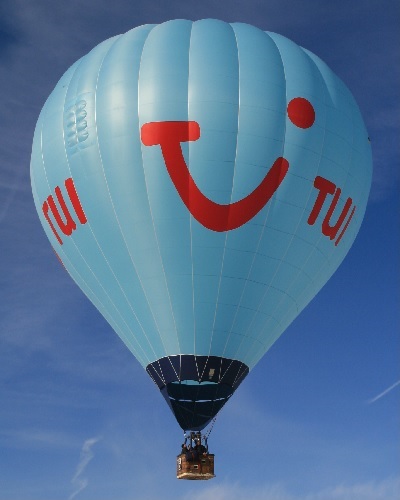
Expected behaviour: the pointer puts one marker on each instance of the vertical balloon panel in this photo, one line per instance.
(162, 96)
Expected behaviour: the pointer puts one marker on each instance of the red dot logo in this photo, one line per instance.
(301, 112)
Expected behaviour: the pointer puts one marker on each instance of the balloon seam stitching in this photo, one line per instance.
(150, 210)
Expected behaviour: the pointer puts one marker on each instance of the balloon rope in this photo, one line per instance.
(212, 426)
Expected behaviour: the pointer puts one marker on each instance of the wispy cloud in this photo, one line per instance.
(387, 489)
(78, 481)
(35, 439)
(386, 391)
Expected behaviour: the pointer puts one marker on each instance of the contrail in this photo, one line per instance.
(379, 396)
(86, 456)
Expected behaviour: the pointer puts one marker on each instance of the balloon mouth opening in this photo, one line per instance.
(196, 387)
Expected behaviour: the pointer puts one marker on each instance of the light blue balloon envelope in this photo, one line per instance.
(200, 181)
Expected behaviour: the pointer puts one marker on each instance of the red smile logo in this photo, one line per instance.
(170, 134)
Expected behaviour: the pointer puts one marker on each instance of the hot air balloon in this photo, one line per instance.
(200, 181)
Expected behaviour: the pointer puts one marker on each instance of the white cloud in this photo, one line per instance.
(237, 492)
(388, 489)
(80, 483)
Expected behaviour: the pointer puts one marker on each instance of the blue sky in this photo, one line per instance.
(317, 419)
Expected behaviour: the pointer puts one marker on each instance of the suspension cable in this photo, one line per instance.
(211, 427)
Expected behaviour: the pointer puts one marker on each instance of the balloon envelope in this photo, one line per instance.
(200, 181)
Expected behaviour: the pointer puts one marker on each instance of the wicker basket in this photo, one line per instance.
(202, 469)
